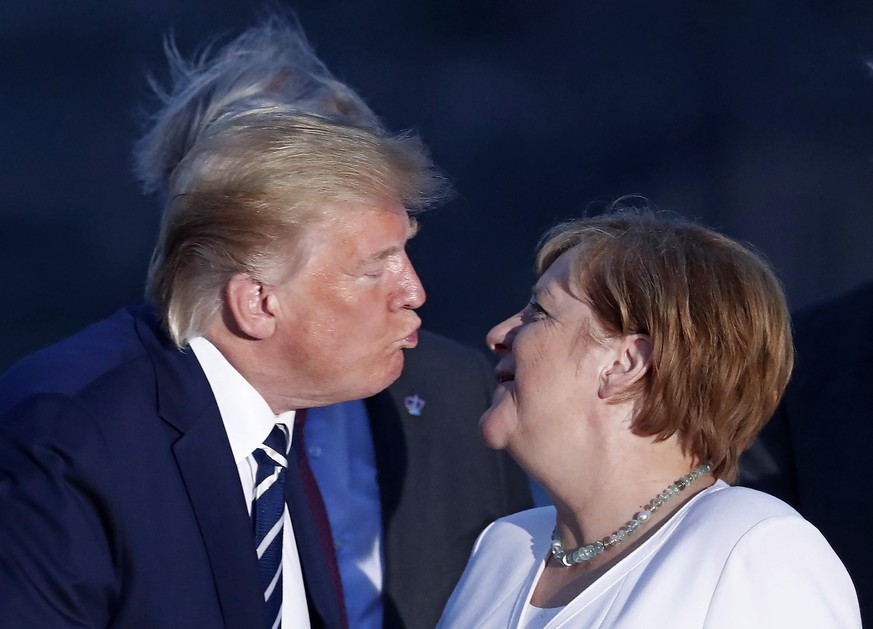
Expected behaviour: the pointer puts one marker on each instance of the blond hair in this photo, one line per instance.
(241, 197)
(252, 140)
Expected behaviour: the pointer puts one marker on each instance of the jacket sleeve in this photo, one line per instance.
(57, 566)
(782, 573)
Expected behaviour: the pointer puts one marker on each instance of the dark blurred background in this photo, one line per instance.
(754, 117)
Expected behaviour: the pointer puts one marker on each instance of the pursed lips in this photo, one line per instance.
(412, 338)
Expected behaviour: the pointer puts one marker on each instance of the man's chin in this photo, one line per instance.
(395, 367)
(389, 376)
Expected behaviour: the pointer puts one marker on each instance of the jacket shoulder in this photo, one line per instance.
(112, 348)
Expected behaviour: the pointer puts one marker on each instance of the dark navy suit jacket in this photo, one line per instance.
(815, 453)
(120, 503)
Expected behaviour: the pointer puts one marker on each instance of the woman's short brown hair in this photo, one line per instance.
(716, 315)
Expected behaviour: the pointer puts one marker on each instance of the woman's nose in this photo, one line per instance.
(500, 338)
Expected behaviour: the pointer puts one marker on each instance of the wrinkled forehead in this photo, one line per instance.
(560, 278)
(346, 210)
(567, 271)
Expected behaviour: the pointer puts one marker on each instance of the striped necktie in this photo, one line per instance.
(268, 515)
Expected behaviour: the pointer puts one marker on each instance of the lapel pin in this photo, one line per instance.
(414, 404)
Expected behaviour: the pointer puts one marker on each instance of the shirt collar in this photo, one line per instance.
(247, 417)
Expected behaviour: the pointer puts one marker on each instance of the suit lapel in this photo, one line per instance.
(205, 461)
(390, 448)
(219, 507)
(389, 445)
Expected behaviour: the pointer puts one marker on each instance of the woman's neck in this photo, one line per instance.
(596, 500)
(559, 583)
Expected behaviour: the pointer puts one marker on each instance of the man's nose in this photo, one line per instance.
(411, 294)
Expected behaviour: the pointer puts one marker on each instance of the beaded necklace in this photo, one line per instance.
(590, 551)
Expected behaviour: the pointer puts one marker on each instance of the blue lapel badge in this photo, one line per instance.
(414, 404)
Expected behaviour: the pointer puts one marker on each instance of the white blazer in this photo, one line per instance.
(730, 558)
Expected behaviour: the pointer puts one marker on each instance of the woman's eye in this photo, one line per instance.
(535, 309)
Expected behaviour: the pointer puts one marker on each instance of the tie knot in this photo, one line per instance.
(273, 452)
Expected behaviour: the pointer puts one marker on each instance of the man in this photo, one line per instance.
(813, 453)
(131, 463)
(407, 465)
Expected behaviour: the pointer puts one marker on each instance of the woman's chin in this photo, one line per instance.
(494, 429)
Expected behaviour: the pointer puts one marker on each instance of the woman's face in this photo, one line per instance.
(549, 369)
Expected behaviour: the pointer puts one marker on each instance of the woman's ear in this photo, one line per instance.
(249, 305)
(632, 361)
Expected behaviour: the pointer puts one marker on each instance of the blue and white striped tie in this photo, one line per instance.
(268, 515)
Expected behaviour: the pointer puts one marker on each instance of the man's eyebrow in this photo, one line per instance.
(390, 251)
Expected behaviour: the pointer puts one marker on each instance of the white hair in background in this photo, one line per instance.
(269, 64)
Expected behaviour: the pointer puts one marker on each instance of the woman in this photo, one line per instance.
(650, 355)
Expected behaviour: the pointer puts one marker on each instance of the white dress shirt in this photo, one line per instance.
(248, 421)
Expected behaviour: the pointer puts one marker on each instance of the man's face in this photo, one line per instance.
(347, 313)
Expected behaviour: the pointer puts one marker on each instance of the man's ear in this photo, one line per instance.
(631, 363)
(249, 305)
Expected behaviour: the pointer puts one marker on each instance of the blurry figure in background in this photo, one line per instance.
(813, 453)
(650, 355)
(400, 467)
(135, 455)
